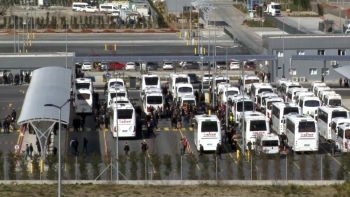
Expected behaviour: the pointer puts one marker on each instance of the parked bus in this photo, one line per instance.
(83, 101)
(279, 110)
(302, 133)
(325, 116)
(343, 138)
(309, 105)
(258, 88)
(122, 120)
(267, 144)
(336, 122)
(207, 132)
(153, 98)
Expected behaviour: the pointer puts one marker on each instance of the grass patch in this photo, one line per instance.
(196, 190)
(254, 23)
(241, 8)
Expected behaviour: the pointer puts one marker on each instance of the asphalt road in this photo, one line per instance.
(12, 97)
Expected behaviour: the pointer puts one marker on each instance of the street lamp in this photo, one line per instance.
(59, 143)
(65, 23)
(283, 50)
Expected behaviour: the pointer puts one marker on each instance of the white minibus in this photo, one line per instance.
(177, 78)
(122, 120)
(336, 122)
(108, 7)
(333, 100)
(207, 132)
(153, 98)
(258, 88)
(279, 110)
(260, 100)
(76, 6)
(292, 92)
(149, 81)
(83, 102)
(343, 138)
(309, 105)
(267, 144)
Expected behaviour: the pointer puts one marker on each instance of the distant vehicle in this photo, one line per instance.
(250, 66)
(104, 66)
(150, 66)
(108, 8)
(130, 66)
(168, 66)
(273, 9)
(89, 9)
(193, 77)
(116, 66)
(78, 5)
(86, 66)
(234, 65)
(190, 65)
(115, 13)
(221, 65)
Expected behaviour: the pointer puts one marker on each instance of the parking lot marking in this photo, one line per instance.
(330, 155)
(166, 128)
(189, 149)
(88, 129)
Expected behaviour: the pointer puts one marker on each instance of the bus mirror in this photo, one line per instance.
(329, 124)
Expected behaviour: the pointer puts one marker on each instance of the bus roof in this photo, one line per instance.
(183, 84)
(268, 136)
(206, 117)
(259, 85)
(331, 108)
(280, 105)
(254, 115)
(329, 96)
(187, 96)
(83, 80)
(274, 99)
(149, 75)
(175, 75)
(124, 106)
(297, 118)
(250, 77)
(267, 94)
(116, 79)
(341, 120)
(297, 89)
(83, 90)
(306, 97)
(344, 126)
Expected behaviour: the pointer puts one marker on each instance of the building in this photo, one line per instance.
(27, 62)
(176, 7)
(305, 70)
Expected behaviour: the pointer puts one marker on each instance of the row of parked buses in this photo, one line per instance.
(302, 114)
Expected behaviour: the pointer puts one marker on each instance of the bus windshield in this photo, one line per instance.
(270, 143)
(334, 102)
(269, 104)
(261, 90)
(83, 96)
(185, 90)
(209, 126)
(121, 94)
(113, 95)
(125, 113)
(312, 103)
(151, 81)
(347, 134)
(288, 110)
(250, 81)
(248, 106)
(181, 80)
(258, 125)
(231, 93)
(154, 100)
(79, 86)
(112, 84)
(189, 102)
(294, 86)
(336, 114)
(307, 127)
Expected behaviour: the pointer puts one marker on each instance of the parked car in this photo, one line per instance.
(105, 66)
(206, 65)
(168, 66)
(137, 66)
(115, 13)
(150, 65)
(207, 77)
(116, 66)
(190, 65)
(87, 66)
(193, 77)
(249, 65)
(130, 66)
(221, 65)
(89, 9)
(234, 65)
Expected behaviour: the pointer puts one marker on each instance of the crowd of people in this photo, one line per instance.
(17, 79)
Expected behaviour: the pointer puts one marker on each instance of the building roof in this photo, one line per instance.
(49, 85)
(344, 71)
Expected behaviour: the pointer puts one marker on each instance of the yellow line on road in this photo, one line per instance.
(10, 105)
(189, 149)
(330, 155)
(230, 155)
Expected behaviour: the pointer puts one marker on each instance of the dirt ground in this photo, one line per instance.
(200, 190)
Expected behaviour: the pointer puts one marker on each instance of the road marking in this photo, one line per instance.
(88, 129)
(10, 105)
(166, 128)
(189, 149)
(330, 155)
(229, 153)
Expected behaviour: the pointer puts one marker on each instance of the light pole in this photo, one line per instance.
(117, 138)
(65, 23)
(27, 22)
(214, 64)
(59, 144)
(283, 50)
(14, 33)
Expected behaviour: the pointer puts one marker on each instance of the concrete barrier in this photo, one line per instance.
(187, 182)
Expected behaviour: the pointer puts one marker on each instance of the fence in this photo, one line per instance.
(287, 28)
(153, 166)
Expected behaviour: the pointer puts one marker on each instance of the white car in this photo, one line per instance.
(89, 9)
(207, 77)
(86, 66)
(168, 66)
(115, 13)
(234, 65)
(130, 66)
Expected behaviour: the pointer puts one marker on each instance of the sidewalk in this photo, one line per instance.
(346, 103)
(338, 22)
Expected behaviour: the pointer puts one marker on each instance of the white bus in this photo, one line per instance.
(83, 83)
(186, 99)
(122, 120)
(286, 86)
(149, 81)
(183, 88)
(292, 92)
(268, 105)
(309, 105)
(247, 81)
(177, 78)
(323, 93)
(336, 122)
(238, 103)
(153, 98)
(226, 92)
(83, 102)
(115, 82)
(267, 144)
(255, 123)
(302, 133)
(116, 92)
(207, 132)
(279, 110)
(258, 88)
(120, 100)
(325, 116)
(260, 100)
(301, 94)
(333, 100)
(76, 6)
(318, 89)
(108, 7)
(315, 84)
(343, 138)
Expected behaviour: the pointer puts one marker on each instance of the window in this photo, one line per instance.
(83, 96)
(293, 71)
(79, 86)
(185, 90)
(209, 126)
(121, 94)
(270, 143)
(336, 114)
(231, 93)
(325, 71)
(312, 103)
(320, 52)
(290, 126)
(275, 111)
(335, 102)
(312, 71)
(151, 81)
(154, 100)
(301, 52)
(280, 53)
(125, 113)
(288, 110)
(261, 90)
(119, 83)
(248, 106)
(323, 116)
(181, 80)
(307, 127)
(258, 125)
(341, 52)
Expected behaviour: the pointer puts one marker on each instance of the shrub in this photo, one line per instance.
(277, 167)
(2, 174)
(157, 164)
(302, 165)
(133, 165)
(204, 160)
(51, 162)
(122, 159)
(320, 10)
(12, 161)
(36, 166)
(254, 23)
(167, 162)
(71, 166)
(95, 165)
(327, 173)
(23, 166)
(192, 164)
(229, 167)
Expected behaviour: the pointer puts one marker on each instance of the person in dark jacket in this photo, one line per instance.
(218, 150)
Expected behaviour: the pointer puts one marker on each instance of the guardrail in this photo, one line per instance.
(287, 28)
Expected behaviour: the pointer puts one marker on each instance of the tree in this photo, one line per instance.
(143, 166)
(315, 167)
(302, 166)
(290, 161)
(265, 166)
(240, 167)
(5, 21)
(167, 162)
(204, 160)
(86, 22)
(83, 170)
(192, 162)
(327, 173)
(108, 161)
(253, 170)
(178, 158)
(70, 162)
(277, 167)
(12, 161)
(47, 19)
(51, 162)
(122, 159)
(42, 23)
(215, 166)
(95, 165)
(157, 164)
(134, 158)
(229, 168)
(2, 174)
(36, 166)
(23, 166)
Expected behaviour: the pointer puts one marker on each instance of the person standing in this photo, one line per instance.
(201, 150)
(27, 151)
(31, 150)
(126, 149)
(218, 150)
(85, 142)
(76, 145)
(340, 81)
(185, 144)
(332, 148)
